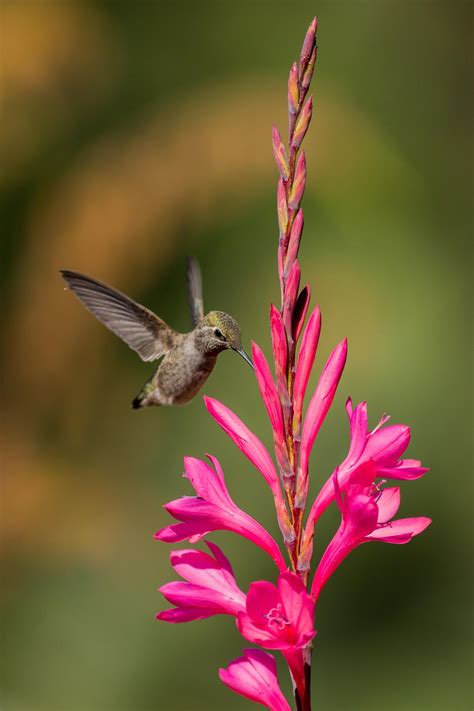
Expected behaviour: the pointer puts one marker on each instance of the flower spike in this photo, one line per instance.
(280, 615)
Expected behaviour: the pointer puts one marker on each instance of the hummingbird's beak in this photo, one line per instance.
(244, 355)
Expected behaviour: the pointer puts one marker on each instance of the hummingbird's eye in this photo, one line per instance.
(218, 333)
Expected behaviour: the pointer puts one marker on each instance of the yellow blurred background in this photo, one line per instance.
(132, 135)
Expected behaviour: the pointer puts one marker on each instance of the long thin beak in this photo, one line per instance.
(244, 355)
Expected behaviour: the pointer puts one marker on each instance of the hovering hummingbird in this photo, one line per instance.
(188, 358)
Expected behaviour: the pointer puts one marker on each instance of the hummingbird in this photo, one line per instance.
(188, 359)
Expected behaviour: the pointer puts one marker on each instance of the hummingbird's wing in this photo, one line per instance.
(139, 327)
(194, 282)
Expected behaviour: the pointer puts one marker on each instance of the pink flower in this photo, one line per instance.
(255, 676)
(210, 589)
(255, 451)
(384, 445)
(213, 510)
(367, 514)
(278, 617)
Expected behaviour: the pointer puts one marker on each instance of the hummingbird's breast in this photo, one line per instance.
(183, 372)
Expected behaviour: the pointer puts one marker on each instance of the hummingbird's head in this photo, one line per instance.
(219, 332)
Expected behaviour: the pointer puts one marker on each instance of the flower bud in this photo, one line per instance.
(280, 154)
(295, 239)
(299, 312)
(308, 73)
(302, 124)
(293, 89)
(282, 207)
(291, 292)
(299, 183)
(308, 46)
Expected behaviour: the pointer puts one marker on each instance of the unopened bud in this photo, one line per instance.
(282, 207)
(299, 183)
(308, 72)
(308, 46)
(280, 154)
(295, 239)
(302, 123)
(293, 89)
(299, 312)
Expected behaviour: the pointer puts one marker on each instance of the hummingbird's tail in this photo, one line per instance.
(137, 403)
(147, 396)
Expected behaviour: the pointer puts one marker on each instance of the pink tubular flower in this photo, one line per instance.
(210, 589)
(278, 617)
(367, 514)
(384, 445)
(255, 451)
(213, 510)
(255, 676)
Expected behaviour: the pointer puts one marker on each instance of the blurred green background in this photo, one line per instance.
(132, 135)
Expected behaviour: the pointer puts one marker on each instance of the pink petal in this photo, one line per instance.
(200, 517)
(221, 559)
(195, 510)
(223, 600)
(177, 614)
(400, 531)
(255, 676)
(200, 568)
(297, 603)
(177, 532)
(246, 441)
(322, 400)
(387, 445)
(404, 469)
(349, 408)
(268, 392)
(306, 356)
(361, 478)
(388, 504)
(258, 634)
(358, 424)
(206, 482)
(261, 598)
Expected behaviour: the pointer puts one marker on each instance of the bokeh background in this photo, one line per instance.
(132, 135)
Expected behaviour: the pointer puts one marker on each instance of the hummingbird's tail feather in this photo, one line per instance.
(148, 395)
(137, 402)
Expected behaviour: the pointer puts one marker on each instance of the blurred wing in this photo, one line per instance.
(139, 327)
(194, 282)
